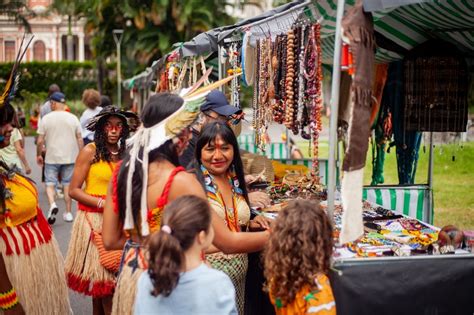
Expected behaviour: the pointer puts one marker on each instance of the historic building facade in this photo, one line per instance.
(50, 36)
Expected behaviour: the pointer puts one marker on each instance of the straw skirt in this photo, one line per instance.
(85, 274)
(35, 268)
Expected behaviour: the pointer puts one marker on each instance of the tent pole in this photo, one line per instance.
(336, 79)
(429, 218)
(220, 66)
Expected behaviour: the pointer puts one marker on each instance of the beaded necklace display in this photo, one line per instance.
(255, 107)
(288, 85)
(234, 61)
(301, 79)
(313, 75)
(278, 64)
(289, 80)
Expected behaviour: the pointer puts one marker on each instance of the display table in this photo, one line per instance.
(418, 284)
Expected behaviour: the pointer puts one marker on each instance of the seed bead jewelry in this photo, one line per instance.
(301, 79)
(318, 101)
(290, 77)
(8, 299)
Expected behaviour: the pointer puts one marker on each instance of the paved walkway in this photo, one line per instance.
(62, 230)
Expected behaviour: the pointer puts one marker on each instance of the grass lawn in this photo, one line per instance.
(453, 180)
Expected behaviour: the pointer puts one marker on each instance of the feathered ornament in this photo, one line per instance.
(11, 86)
(149, 139)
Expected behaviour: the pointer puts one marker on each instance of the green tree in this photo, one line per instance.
(18, 11)
(150, 27)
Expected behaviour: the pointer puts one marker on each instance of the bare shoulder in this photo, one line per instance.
(87, 153)
(186, 184)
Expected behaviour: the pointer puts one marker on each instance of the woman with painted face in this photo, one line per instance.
(219, 169)
(94, 167)
(147, 180)
(30, 260)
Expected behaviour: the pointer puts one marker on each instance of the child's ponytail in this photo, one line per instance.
(166, 259)
(182, 220)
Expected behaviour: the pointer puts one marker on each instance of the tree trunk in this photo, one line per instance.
(100, 75)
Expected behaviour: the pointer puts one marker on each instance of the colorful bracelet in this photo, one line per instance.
(100, 203)
(8, 299)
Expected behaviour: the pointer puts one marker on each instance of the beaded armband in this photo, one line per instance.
(8, 299)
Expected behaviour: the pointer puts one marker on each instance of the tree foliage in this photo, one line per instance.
(150, 27)
(18, 11)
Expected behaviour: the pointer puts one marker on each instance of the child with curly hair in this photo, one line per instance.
(297, 260)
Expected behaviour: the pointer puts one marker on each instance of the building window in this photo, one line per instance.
(39, 51)
(10, 50)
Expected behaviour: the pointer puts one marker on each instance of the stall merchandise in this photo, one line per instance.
(288, 84)
(386, 233)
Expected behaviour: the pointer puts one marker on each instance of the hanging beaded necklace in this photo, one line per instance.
(289, 80)
(234, 61)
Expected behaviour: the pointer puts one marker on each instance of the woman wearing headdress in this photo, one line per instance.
(94, 167)
(132, 212)
(32, 277)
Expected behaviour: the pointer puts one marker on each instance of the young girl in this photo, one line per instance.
(177, 281)
(297, 260)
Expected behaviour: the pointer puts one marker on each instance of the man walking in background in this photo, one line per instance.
(60, 131)
(46, 107)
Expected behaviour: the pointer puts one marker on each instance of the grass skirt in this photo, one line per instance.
(235, 266)
(133, 264)
(35, 268)
(85, 274)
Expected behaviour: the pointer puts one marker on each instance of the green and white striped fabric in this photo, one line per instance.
(274, 150)
(409, 200)
(408, 25)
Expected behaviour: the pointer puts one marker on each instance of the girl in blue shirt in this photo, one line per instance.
(177, 280)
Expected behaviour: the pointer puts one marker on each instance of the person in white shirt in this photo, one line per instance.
(61, 132)
(90, 98)
(14, 154)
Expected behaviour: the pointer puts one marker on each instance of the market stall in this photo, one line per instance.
(287, 47)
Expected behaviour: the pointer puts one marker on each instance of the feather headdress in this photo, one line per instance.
(148, 139)
(11, 86)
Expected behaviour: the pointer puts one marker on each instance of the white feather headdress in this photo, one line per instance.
(152, 138)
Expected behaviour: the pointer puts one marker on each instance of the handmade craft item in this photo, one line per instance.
(358, 32)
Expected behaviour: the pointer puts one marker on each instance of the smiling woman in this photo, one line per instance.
(219, 169)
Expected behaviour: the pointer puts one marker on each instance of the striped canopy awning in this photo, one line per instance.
(403, 28)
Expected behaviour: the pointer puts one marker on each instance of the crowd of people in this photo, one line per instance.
(163, 223)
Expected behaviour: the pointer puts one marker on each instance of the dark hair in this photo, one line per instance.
(100, 139)
(158, 107)
(186, 216)
(105, 101)
(209, 134)
(7, 116)
(300, 246)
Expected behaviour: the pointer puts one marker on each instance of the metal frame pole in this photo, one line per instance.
(336, 79)
(430, 182)
(220, 66)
